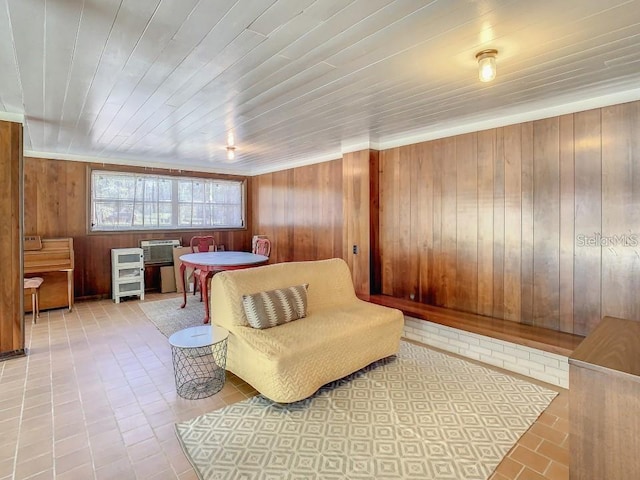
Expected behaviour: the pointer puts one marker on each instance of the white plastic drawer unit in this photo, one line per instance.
(127, 273)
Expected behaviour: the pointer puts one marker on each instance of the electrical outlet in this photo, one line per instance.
(355, 249)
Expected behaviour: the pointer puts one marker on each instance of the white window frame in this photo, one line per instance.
(141, 221)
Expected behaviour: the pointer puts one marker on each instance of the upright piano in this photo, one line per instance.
(51, 259)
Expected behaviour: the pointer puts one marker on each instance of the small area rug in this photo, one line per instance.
(421, 415)
(168, 317)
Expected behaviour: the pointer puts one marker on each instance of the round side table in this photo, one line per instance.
(199, 359)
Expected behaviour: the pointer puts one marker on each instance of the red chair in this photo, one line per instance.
(201, 244)
(263, 247)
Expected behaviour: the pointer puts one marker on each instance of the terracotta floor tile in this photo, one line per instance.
(29, 466)
(44, 475)
(549, 433)
(6, 467)
(145, 449)
(509, 468)
(548, 419)
(557, 471)
(530, 458)
(190, 475)
(73, 460)
(530, 440)
(528, 474)
(71, 444)
(554, 452)
(84, 472)
(150, 466)
(118, 470)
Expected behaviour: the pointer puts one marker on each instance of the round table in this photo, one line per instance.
(207, 263)
(199, 360)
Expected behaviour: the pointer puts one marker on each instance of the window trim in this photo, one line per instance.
(243, 181)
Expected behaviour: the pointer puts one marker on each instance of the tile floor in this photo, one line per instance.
(95, 399)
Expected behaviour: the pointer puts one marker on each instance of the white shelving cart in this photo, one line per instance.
(127, 273)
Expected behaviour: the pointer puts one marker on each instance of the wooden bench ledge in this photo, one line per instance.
(535, 337)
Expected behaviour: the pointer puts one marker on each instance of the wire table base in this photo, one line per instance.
(199, 362)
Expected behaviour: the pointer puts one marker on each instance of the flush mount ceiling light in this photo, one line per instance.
(487, 64)
(231, 152)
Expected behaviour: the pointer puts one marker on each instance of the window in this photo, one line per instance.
(136, 201)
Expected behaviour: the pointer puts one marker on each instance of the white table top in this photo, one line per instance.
(223, 259)
(200, 336)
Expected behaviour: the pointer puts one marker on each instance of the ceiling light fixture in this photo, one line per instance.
(231, 152)
(487, 65)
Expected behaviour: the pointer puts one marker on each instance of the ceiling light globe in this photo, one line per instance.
(487, 65)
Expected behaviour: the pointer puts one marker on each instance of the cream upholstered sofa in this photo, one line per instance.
(286, 363)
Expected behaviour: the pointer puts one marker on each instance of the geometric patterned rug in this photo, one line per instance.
(420, 415)
(168, 317)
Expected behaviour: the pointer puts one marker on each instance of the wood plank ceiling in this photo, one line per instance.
(164, 82)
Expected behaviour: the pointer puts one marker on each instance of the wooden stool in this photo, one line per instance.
(32, 285)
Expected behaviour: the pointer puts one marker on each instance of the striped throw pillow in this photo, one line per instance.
(275, 307)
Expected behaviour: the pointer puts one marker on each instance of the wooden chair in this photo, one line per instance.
(201, 244)
(263, 247)
(32, 286)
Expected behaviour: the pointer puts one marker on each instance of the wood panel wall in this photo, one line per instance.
(11, 314)
(56, 205)
(536, 223)
(360, 218)
(300, 210)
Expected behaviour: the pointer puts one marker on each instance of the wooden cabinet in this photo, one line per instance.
(604, 402)
(127, 273)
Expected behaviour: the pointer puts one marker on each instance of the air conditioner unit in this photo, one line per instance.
(158, 251)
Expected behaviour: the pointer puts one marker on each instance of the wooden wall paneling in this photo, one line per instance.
(498, 226)
(512, 139)
(396, 205)
(466, 293)
(314, 209)
(303, 233)
(486, 154)
(588, 219)
(546, 223)
(374, 222)
(301, 211)
(449, 224)
(621, 207)
(331, 190)
(77, 194)
(424, 217)
(31, 196)
(11, 231)
(538, 186)
(436, 259)
(389, 174)
(567, 223)
(527, 230)
(52, 205)
(263, 205)
(288, 200)
(270, 213)
(406, 251)
(356, 228)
